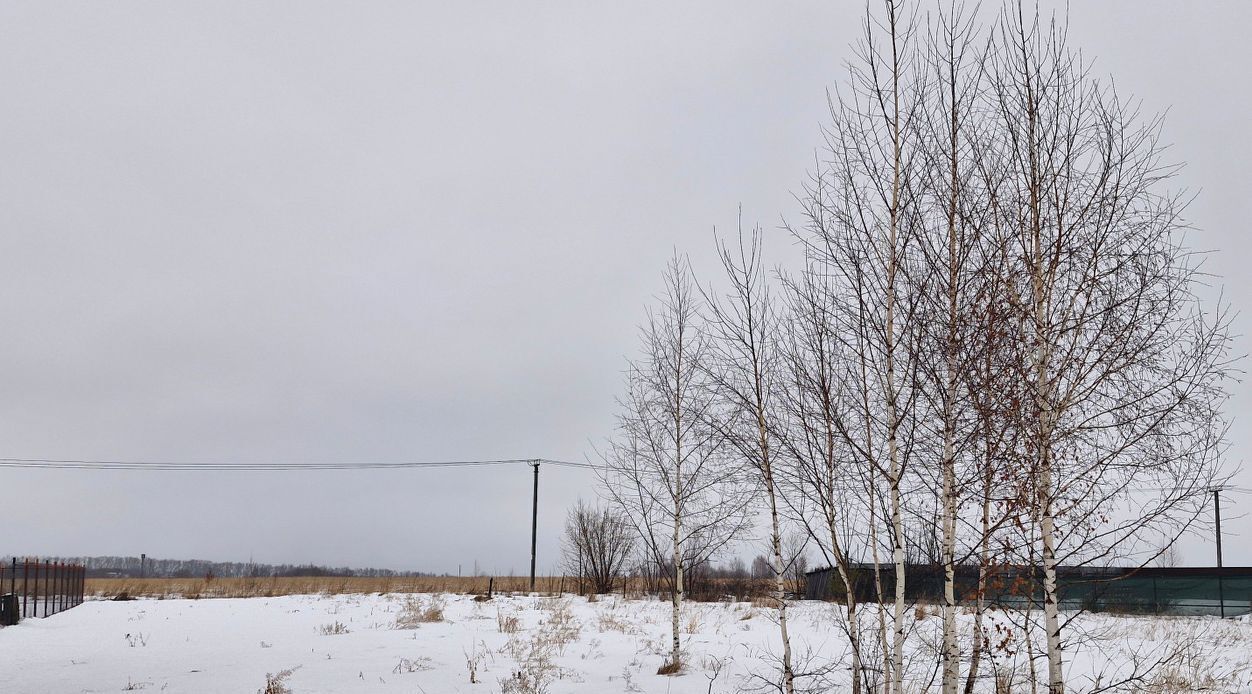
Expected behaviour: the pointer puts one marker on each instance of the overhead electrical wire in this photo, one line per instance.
(238, 466)
(285, 466)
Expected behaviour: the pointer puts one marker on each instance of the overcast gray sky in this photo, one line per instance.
(398, 231)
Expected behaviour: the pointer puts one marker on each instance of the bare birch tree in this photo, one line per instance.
(667, 467)
(745, 373)
(862, 217)
(1123, 368)
(953, 250)
(995, 352)
(820, 465)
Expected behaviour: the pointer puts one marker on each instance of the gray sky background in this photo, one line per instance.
(399, 231)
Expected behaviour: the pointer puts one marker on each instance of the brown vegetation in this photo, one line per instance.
(711, 589)
(195, 588)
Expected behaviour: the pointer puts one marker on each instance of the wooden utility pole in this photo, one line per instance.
(534, 524)
(1217, 516)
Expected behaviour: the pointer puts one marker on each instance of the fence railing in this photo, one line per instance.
(38, 589)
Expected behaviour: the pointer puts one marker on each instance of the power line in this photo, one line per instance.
(287, 466)
(265, 466)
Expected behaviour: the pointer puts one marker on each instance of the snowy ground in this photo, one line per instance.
(352, 643)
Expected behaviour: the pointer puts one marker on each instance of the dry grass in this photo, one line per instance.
(535, 652)
(609, 621)
(694, 619)
(420, 610)
(277, 683)
(319, 585)
(669, 667)
(333, 629)
(508, 623)
(268, 587)
(767, 602)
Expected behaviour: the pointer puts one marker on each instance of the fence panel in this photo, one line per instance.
(38, 589)
(1225, 592)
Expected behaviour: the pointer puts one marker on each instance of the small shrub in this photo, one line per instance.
(417, 610)
(333, 629)
(561, 628)
(474, 658)
(523, 682)
(609, 622)
(670, 666)
(277, 683)
(419, 664)
(508, 623)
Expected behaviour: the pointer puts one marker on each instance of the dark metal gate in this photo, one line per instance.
(38, 589)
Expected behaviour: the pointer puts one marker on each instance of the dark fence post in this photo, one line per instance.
(25, 584)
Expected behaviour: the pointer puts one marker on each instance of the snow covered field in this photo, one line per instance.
(352, 643)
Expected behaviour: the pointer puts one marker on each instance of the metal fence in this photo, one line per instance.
(38, 589)
(1225, 592)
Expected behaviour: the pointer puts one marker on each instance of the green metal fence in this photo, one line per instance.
(1150, 590)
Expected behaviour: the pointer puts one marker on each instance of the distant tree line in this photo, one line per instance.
(133, 567)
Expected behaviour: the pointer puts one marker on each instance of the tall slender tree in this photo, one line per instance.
(667, 466)
(746, 374)
(1123, 369)
(862, 215)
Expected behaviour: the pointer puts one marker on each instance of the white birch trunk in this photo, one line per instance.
(676, 653)
(780, 584)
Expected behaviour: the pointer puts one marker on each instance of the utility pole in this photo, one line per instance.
(1217, 516)
(534, 524)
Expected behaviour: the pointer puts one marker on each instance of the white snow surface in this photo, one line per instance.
(607, 646)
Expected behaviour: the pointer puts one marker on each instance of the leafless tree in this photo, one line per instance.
(667, 468)
(598, 544)
(863, 215)
(956, 272)
(745, 373)
(821, 475)
(995, 352)
(1123, 368)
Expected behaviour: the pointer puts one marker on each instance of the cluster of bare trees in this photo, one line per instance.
(993, 355)
(599, 544)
